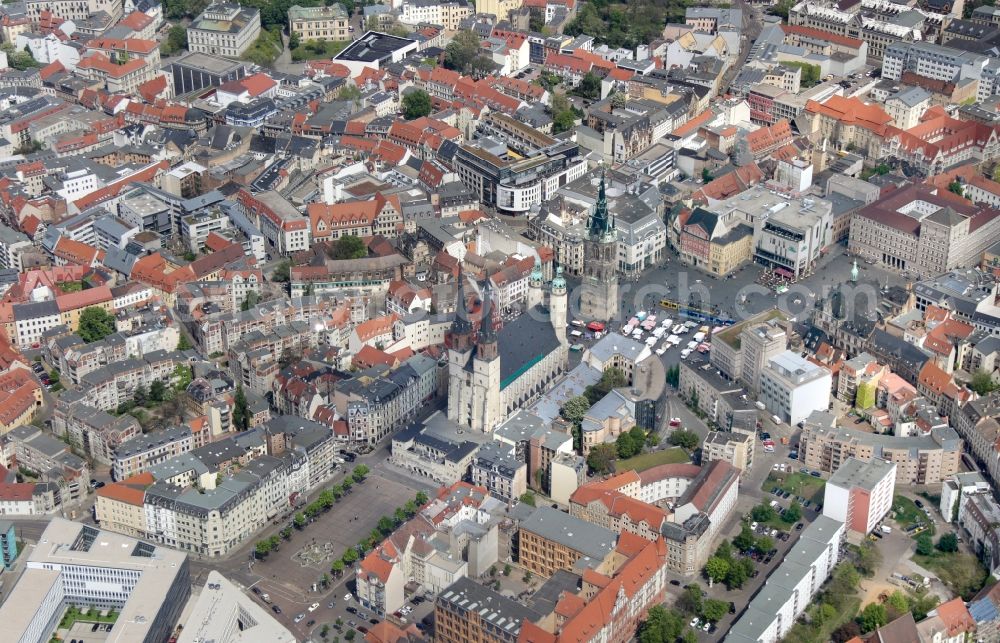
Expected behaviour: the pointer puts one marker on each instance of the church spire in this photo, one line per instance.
(600, 223)
(461, 328)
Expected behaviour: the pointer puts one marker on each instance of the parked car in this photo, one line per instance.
(299, 617)
(314, 607)
(352, 610)
(276, 609)
(311, 622)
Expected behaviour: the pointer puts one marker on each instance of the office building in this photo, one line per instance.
(196, 70)
(78, 565)
(224, 29)
(859, 494)
(467, 611)
(224, 613)
(550, 540)
(792, 387)
(760, 343)
(319, 23)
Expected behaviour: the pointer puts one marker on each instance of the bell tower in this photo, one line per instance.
(599, 292)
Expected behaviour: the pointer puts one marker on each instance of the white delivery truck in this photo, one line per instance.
(699, 337)
(685, 353)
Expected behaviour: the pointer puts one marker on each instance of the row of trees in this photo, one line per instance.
(386, 525)
(323, 502)
(724, 566)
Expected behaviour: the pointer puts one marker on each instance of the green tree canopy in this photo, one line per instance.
(982, 383)
(600, 458)
(575, 409)
(241, 410)
(717, 569)
(744, 541)
(948, 543)
(416, 104)
(714, 610)
(95, 324)
(684, 439)
(661, 626)
(793, 514)
(925, 545)
(873, 616)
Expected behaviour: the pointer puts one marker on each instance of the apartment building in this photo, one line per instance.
(224, 29)
(144, 451)
(979, 516)
(759, 344)
(921, 459)
(789, 590)
(735, 448)
(454, 536)
(468, 611)
(792, 387)
(859, 494)
(93, 431)
(319, 23)
(497, 469)
(447, 14)
(211, 499)
(52, 460)
(550, 540)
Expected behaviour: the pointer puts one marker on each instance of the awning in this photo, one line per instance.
(784, 272)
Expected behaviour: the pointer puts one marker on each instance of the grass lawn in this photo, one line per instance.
(644, 461)
(908, 514)
(962, 573)
(316, 49)
(797, 484)
(73, 614)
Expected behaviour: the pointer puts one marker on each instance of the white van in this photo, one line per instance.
(651, 341)
(692, 345)
(776, 419)
(685, 353)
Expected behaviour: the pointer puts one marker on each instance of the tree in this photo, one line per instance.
(982, 383)
(294, 40)
(811, 74)
(626, 446)
(349, 91)
(241, 410)
(897, 601)
(706, 176)
(141, 395)
(461, 51)
(350, 246)
(182, 377)
(410, 509)
(416, 104)
(925, 546)
(869, 558)
(360, 472)
(684, 439)
(716, 569)
(282, 272)
(249, 301)
(54, 376)
(95, 324)
(846, 632)
(764, 544)
(956, 187)
(691, 599)
(948, 543)
(873, 616)
(347, 483)
(575, 409)
(184, 344)
(262, 549)
(350, 555)
(590, 86)
(300, 520)
(793, 514)
(528, 498)
(421, 498)
(661, 626)
(762, 513)
(600, 458)
(386, 525)
(714, 610)
(177, 39)
(744, 540)
(157, 391)
(652, 439)
(674, 376)
(737, 576)
(337, 568)
(563, 121)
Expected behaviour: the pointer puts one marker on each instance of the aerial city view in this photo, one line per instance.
(499, 321)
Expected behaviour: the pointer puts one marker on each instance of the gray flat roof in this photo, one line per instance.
(587, 538)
